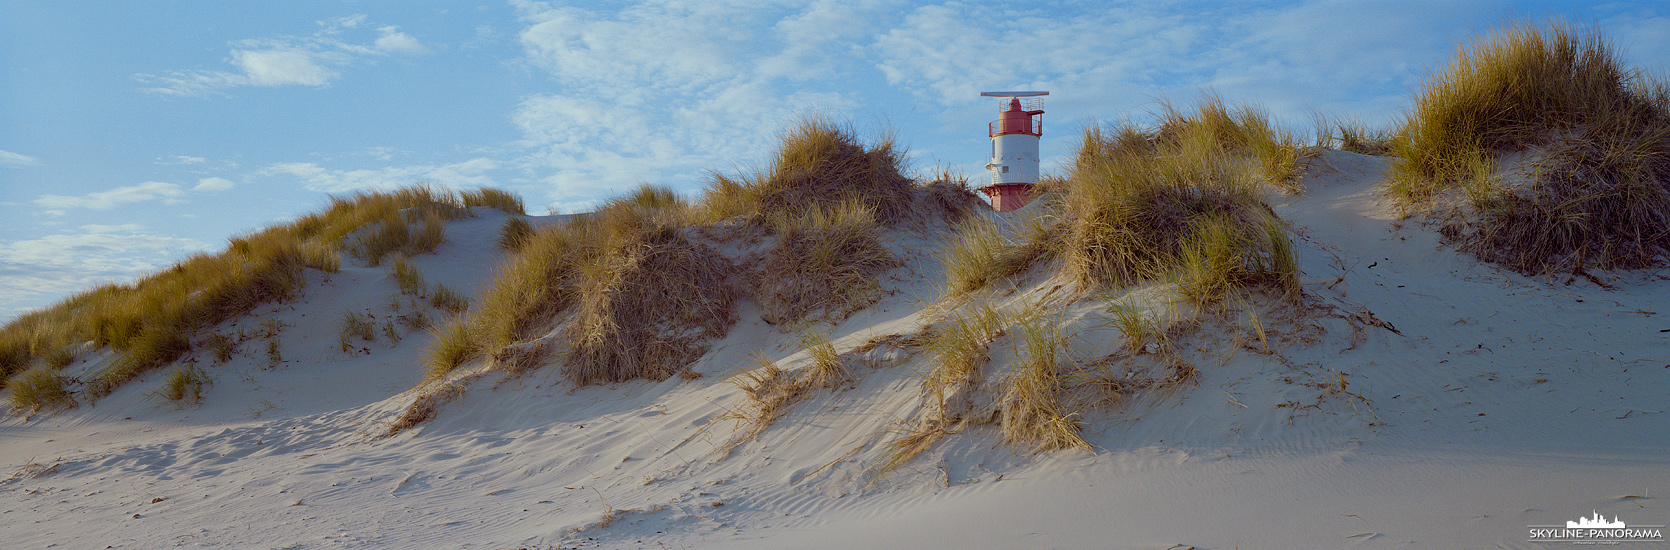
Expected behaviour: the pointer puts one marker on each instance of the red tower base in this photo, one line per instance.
(1008, 196)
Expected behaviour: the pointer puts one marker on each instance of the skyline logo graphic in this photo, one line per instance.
(1596, 529)
(1597, 522)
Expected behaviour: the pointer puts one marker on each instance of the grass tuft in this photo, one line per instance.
(1180, 202)
(455, 344)
(40, 388)
(490, 197)
(355, 326)
(408, 277)
(648, 300)
(980, 254)
(773, 390)
(184, 384)
(1033, 414)
(448, 300)
(514, 234)
(818, 165)
(1593, 187)
(824, 264)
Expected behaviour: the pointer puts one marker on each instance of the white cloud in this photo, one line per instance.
(313, 60)
(663, 93)
(1344, 58)
(391, 40)
(470, 173)
(104, 200)
(213, 184)
(181, 160)
(285, 67)
(15, 160)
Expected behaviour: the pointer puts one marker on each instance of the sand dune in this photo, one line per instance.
(1477, 402)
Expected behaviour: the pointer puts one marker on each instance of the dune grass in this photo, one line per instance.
(650, 298)
(824, 264)
(772, 390)
(514, 234)
(980, 254)
(959, 350)
(1034, 414)
(446, 299)
(490, 197)
(40, 388)
(355, 326)
(154, 321)
(641, 295)
(408, 277)
(1353, 136)
(818, 164)
(184, 385)
(1597, 196)
(1183, 202)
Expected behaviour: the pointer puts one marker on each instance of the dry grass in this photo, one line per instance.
(490, 197)
(641, 294)
(960, 351)
(355, 326)
(408, 277)
(1183, 202)
(184, 384)
(514, 234)
(647, 302)
(38, 389)
(153, 322)
(448, 300)
(949, 196)
(1033, 413)
(772, 390)
(824, 264)
(1597, 198)
(981, 254)
(455, 343)
(819, 164)
(1353, 136)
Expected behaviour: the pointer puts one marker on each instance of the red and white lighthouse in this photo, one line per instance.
(1014, 160)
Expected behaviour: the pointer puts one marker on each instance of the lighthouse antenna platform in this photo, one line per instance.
(1013, 94)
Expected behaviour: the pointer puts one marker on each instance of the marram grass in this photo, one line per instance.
(158, 319)
(1599, 197)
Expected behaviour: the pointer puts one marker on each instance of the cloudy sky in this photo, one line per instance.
(133, 133)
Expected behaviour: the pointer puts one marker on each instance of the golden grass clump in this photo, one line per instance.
(960, 352)
(980, 254)
(648, 300)
(824, 264)
(1034, 414)
(818, 165)
(490, 197)
(640, 294)
(408, 277)
(1593, 195)
(184, 384)
(514, 234)
(1184, 202)
(40, 388)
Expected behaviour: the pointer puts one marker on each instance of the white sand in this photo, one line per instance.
(1505, 402)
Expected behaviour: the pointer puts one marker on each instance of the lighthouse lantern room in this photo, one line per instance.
(1014, 160)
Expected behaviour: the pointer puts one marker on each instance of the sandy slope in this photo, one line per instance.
(1499, 402)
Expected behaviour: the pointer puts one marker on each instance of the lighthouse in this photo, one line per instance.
(1014, 161)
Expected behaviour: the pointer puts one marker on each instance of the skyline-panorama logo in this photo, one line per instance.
(1596, 530)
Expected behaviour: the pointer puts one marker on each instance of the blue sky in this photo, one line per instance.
(135, 133)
